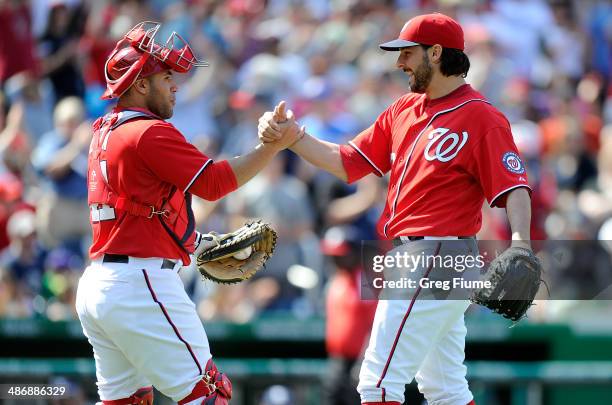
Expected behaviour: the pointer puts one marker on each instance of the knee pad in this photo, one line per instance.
(214, 388)
(144, 396)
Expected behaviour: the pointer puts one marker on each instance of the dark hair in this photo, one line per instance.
(453, 62)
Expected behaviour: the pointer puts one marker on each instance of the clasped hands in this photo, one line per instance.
(278, 128)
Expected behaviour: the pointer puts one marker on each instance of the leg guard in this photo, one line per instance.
(214, 388)
(143, 396)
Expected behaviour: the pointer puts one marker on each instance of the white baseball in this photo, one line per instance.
(243, 254)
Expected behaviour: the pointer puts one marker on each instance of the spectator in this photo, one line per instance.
(25, 258)
(14, 301)
(61, 160)
(248, 108)
(59, 49)
(17, 52)
(349, 317)
(36, 100)
(62, 272)
(11, 201)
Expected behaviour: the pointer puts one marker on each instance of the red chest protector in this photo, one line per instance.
(106, 204)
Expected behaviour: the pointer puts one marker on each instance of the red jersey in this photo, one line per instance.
(445, 156)
(17, 48)
(145, 164)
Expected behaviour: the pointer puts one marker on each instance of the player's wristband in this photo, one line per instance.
(198, 239)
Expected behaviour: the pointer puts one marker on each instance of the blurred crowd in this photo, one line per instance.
(546, 64)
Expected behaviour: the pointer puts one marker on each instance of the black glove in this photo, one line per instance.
(514, 277)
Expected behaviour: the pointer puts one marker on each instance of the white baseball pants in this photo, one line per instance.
(418, 338)
(429, 347)
(143, 327)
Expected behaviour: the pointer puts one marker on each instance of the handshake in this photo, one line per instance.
(279, 129)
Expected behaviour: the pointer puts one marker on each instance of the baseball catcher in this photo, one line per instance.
(143, 231)
(514, 278)
(236, 256)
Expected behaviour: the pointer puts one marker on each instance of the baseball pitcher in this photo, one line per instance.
(446, 149)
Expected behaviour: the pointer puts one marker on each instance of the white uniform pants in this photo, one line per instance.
(418, 338)
(430, 348)
(143, 327)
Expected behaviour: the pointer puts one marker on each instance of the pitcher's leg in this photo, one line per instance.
(402, 335)
(441, 378)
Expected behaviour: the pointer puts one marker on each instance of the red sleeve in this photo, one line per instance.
(370, 151)
(215, 182)
(497, 166)
(174, 160)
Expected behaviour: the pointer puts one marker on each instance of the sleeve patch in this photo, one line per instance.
(512, 162)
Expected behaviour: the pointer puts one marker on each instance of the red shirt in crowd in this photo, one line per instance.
(349, 318)
(17, 44)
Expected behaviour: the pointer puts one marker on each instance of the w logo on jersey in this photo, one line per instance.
(445, 146)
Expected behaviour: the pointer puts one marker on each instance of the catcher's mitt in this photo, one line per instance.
(514, 278)
(216, 259)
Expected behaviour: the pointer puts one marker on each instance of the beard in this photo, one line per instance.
(422, 76)
(159, 105)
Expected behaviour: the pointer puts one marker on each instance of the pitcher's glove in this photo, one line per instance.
(514, 278)
(237, 256)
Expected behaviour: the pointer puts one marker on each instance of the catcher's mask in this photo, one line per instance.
(138, 55)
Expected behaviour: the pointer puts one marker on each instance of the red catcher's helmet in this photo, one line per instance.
(138, 55)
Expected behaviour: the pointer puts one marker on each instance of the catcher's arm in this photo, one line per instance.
(322, 154)
(205, 241)
(518, 209)
(247, 166)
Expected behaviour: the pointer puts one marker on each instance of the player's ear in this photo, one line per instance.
(142, 85)
(435, 53)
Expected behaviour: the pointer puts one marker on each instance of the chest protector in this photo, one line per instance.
(106, 204)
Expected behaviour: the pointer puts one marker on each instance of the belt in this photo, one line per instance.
(111, 258)
(400, 240)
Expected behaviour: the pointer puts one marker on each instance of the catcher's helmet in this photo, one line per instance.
(138, 55)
